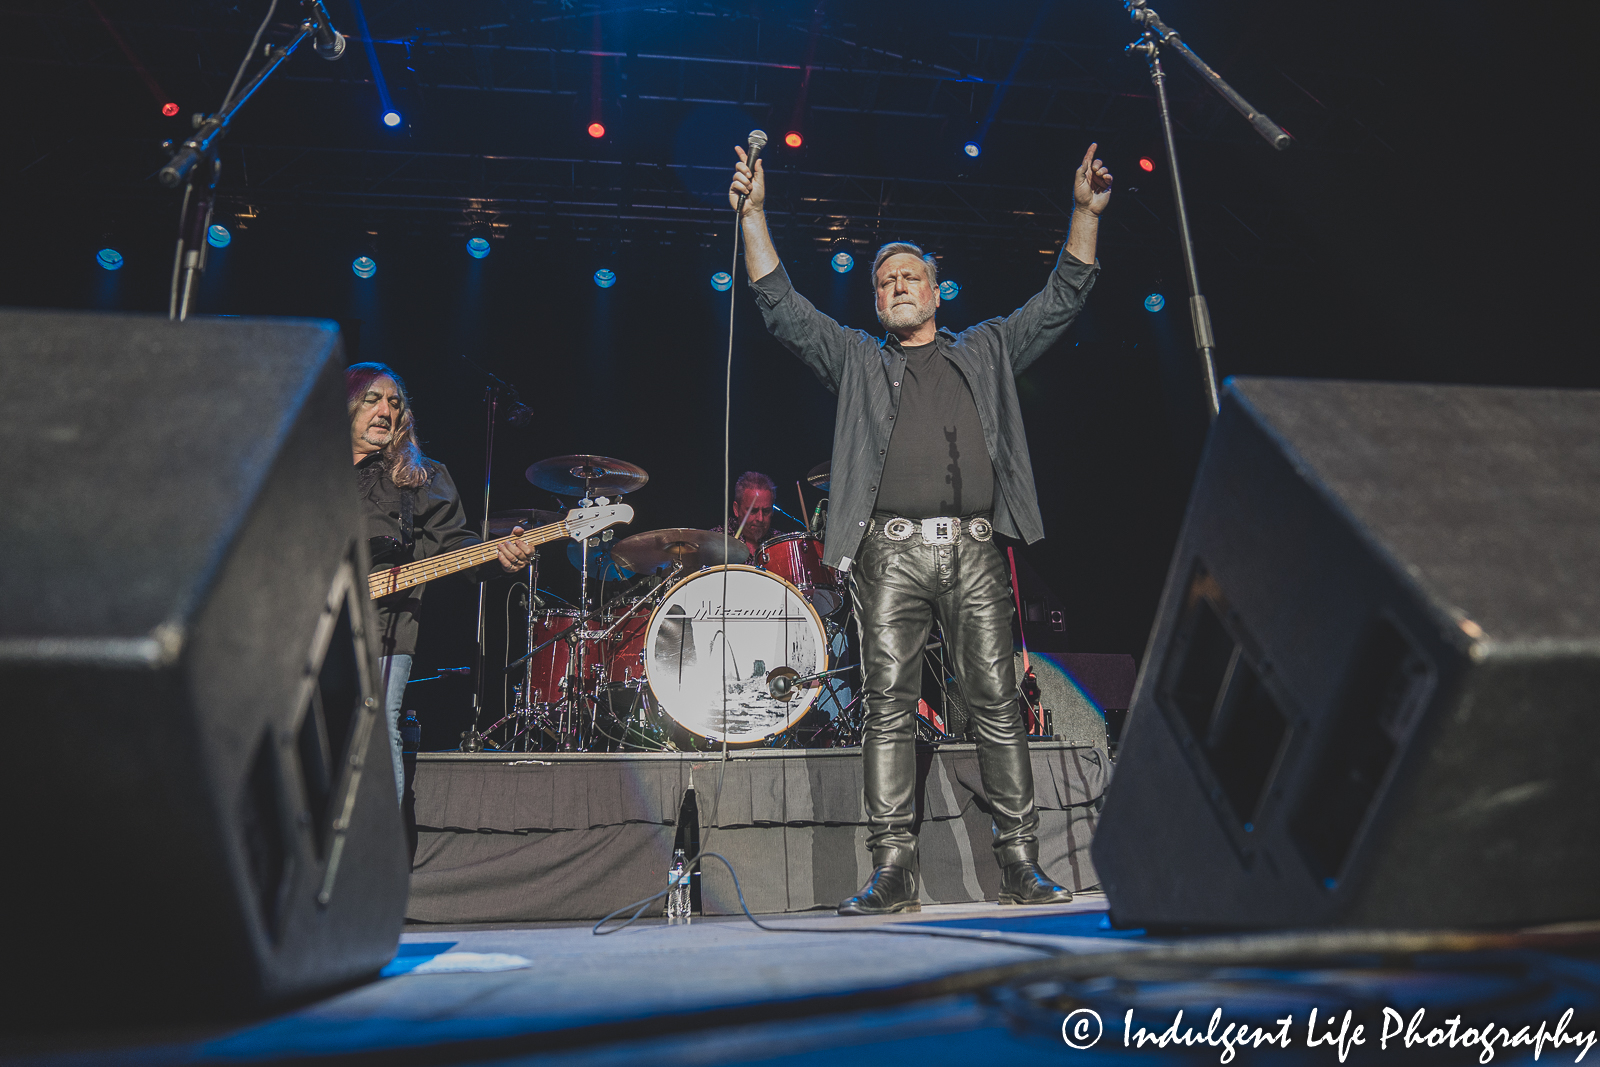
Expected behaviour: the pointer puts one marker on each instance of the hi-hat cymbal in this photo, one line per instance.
(501, 522)
(694, 548)
(575, 475)
(819, 477)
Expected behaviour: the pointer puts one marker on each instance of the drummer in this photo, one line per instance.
(753, 495)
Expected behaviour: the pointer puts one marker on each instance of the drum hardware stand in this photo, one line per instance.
(1157, 33)
(520, 413)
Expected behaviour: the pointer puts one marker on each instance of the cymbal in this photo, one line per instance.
(575, 475)
(695, 548)
(819, 475)
(501, 522)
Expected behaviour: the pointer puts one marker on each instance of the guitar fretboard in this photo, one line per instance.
(394, 579)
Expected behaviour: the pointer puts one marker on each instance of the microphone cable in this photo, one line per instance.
(727, 519)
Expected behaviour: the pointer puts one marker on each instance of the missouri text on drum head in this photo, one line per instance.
(707, 660)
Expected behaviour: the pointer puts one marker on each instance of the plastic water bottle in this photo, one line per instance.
(678, 889)
(410, 733)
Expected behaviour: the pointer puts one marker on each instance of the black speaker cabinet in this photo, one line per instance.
(197, 782)
(1372, 694)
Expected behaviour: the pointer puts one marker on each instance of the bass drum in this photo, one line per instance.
(707, 662)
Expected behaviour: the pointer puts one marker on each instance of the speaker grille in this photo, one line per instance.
(1229, 723)
(328, 719)
(1386, 690)
(267, 841)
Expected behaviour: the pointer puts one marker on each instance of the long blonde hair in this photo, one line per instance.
(402, 457)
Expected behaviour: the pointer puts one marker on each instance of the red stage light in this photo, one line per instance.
(1146, 164)
(169, 109)
(793, 140)
(596, 130)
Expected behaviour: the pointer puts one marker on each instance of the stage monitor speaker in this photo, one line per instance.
(198, 782)
(1372, 694)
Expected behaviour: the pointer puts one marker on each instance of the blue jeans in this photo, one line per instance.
(393, 673)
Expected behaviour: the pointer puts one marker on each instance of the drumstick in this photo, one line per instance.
(802, 494)
(742, 521)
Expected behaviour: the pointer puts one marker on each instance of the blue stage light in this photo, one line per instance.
(843, 261)
(722, 281)
(109, 258)
(605, 277)
(364, 266)
(1154, 302)
(391, 118)
(217, 235)
(973, 149)
(477, 247)
(949, 290)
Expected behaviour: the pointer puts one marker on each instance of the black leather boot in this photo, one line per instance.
(1024, 883)
(889, 890)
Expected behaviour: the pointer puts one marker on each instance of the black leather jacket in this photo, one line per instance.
(862, 370)
(438, 525)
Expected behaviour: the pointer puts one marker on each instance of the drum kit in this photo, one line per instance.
(699, 645)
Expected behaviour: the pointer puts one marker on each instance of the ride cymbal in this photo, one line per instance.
(693, 548)
(578, 475)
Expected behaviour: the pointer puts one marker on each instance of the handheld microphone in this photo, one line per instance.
(328, 42)
(758, 141)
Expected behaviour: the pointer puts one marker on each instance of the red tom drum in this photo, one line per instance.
(797, 558)
(619, 659)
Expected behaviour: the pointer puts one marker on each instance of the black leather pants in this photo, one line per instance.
(900, 587)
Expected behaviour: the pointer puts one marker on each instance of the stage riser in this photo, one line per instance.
(506, 839)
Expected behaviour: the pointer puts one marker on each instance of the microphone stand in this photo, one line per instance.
(195, 163)
(1158, 33)
(472, 741)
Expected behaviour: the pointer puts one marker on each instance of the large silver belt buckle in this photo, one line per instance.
(940, 531)
(898, 529)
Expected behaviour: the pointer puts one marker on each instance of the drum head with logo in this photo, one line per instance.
(707, 663)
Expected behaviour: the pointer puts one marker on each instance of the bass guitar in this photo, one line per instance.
(580, 523)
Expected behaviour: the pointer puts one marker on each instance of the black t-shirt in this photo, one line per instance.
(937, 462)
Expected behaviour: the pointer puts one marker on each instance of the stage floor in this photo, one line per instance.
(991, 984)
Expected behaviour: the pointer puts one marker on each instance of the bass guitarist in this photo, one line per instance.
(411, 499)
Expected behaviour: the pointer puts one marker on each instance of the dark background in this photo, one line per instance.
(1433, 221)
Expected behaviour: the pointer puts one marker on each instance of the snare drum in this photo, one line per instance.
(797, 559)
(707, 661)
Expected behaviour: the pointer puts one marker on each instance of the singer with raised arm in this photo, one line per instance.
(930, 461)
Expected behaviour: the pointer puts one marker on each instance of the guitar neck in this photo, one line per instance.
(394, 579)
